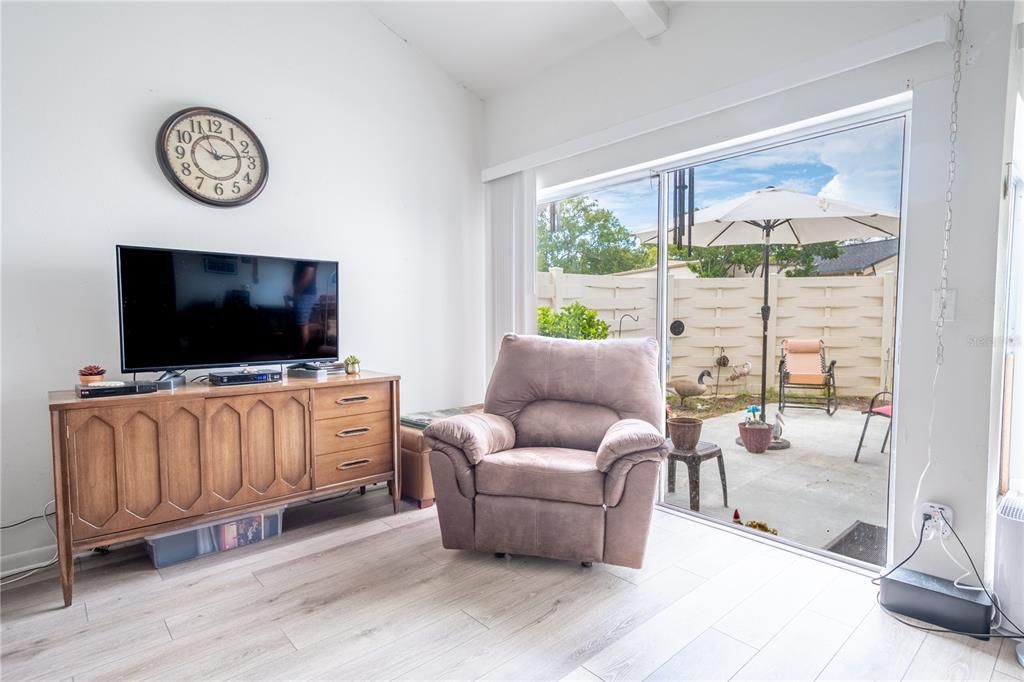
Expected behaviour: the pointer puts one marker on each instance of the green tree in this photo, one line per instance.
(589, 240)
(798, 261)
(795, 260)
(574, 321)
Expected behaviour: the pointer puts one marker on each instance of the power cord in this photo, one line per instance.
(977, 574)
(21, 575)
(24, 521)
(992, 600)
(920, 540)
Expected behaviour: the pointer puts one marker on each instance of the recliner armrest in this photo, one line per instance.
(476, 435)
(628, 437)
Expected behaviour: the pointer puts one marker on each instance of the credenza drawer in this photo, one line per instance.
(349, 433)
(340, 467)
(348, 400)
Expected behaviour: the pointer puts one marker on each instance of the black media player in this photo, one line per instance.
(263, 376)
(106, 389)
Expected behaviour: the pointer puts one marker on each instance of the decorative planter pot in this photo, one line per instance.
(89, 378)
(352, 368)
(685, 432)
(756, 436)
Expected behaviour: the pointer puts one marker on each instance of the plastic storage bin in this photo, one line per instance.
(168, 549)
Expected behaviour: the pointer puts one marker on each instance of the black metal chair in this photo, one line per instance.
(876, 410)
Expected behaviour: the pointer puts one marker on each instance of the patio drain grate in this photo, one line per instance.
(861, 541)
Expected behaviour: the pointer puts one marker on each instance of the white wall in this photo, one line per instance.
(710, 46)
(374, 161)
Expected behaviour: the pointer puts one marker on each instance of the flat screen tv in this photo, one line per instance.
(194, 309)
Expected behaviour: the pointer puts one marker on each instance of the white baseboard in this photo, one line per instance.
(27, 560)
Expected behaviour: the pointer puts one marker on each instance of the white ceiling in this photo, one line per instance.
(488, 46)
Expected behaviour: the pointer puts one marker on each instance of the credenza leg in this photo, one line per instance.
(61, 508)
(67, 577)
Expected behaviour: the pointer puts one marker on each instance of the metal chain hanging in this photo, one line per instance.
(954, 106)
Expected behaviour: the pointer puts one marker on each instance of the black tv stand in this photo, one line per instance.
(170, 380)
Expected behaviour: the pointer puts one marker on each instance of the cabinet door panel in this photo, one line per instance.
(141, 454)
(183, 428)
(260, 441)
(224, 450)
(93, 465)
(132, 467)
(257, 447)
(293, 442)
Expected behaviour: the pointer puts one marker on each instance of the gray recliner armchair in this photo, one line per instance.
(563, 463)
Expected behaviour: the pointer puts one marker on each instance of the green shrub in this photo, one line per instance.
(574, 321)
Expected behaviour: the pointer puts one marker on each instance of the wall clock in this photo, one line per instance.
(212, 157)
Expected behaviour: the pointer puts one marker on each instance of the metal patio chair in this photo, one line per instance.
(875, 409)
(803, 365)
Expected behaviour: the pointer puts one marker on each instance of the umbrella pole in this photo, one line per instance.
(766, 312)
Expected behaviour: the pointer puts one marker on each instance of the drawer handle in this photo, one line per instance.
(353, 464)
(355, 431)
(348, 400)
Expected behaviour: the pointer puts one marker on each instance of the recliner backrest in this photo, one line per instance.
(566, 393)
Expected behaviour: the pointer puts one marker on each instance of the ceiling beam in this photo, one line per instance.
(649, 17)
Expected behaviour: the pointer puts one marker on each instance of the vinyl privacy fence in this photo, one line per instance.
(854, 315)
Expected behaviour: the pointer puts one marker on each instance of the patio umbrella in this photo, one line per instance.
(780, 216)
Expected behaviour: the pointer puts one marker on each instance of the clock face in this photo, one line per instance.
(212, 157)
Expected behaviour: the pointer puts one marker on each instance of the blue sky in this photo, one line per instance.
(862, 166)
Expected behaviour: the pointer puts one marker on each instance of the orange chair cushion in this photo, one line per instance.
(816, 379)
(803, 346)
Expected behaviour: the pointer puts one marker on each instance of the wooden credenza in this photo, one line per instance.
(131, 466)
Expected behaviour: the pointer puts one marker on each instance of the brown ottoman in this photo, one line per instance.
(416, 480)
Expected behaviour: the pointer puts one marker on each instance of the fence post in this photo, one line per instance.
(556, 288)
(773, 328)
(886, 352)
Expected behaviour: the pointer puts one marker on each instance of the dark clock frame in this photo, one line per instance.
(172, 177)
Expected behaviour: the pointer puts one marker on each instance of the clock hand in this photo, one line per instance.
(213, 150)
(209, 149)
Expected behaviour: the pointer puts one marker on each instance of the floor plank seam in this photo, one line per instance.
(911, 661)
(463, 611)
(840, 647)
(290, 640)
(584, 666)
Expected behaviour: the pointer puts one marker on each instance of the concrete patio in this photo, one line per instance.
(811, 492)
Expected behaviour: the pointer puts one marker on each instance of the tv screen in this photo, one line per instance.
(191, 309)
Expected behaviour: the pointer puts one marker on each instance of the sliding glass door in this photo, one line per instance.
(769, 275)
(780, 326)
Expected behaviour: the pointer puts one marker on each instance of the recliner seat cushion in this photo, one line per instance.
(559, 474)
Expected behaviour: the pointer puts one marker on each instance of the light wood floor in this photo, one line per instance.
(351, 592)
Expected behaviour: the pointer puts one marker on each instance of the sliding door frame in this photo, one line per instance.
(901, 110)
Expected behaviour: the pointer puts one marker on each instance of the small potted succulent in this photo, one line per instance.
(351, 365)
(91, 374)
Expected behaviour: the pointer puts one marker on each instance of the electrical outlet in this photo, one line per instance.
(935, 527)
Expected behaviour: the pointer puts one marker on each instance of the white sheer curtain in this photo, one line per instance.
(511, 210)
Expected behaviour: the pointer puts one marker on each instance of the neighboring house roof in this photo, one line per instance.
(858, 257)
